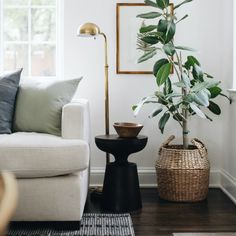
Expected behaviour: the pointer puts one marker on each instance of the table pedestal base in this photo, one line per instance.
(121, 192)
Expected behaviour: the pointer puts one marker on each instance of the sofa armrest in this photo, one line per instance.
(76, 120)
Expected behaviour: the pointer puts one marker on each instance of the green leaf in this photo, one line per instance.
(197, 72)
(163, 121)
(223, 95)
(169, 49)
(180, 84)
(173, 95)
(156, 34)
(201, 98)
(167, 87)
(158, 65)
(163, 101)
(191, 61)
(148, 49)
(150, 39)
(150, 3)
(146, 29)
(186, 16)
(137, 108)
(214, 108)
(197, 111)
(186, 80)
(168, 29)
(178, 117)
(163, 3)
(149, 102)
(163, 74)
(215, 91)
(185, 48)
(147, 56)
(161, 98)
(209, 76)
(182, 3)
(149, 15)
(199, 86)
(212, 83)
(207, 92)
(156, 112)
(189, 98)
(172, 108)
(209, 118)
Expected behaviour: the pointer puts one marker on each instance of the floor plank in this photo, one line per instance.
(205, 234)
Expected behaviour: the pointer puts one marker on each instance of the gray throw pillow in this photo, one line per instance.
(39, 105)
(9, 84)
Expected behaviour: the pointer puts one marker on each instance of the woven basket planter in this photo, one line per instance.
(183, 175)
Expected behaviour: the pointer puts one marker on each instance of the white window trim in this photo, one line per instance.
(232, 91)
(1, 35)
(234, 40)
(60, 40)
(59, 61)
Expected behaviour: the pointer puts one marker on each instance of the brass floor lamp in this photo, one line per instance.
(92, 30)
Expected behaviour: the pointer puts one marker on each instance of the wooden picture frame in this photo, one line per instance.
(127, 55)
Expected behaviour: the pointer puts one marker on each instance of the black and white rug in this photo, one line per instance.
(91, 225)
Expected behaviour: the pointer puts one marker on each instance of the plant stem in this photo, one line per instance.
(185, 109)
(185, 129)
(173, 64)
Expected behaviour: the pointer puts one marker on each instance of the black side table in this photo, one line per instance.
(121, 192)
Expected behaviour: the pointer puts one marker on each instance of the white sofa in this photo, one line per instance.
(52, 172)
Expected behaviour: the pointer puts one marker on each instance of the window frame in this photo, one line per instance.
(59, 41)
(234, 46)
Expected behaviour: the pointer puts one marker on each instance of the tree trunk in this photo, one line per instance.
(185, 109)
(185, 129)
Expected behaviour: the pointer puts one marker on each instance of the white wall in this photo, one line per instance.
(228, 161)
(203, 31)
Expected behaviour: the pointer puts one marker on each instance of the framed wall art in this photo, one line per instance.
(127, 28)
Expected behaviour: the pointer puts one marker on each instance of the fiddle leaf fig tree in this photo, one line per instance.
(193, 91)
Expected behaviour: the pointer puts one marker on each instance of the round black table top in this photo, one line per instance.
(115, 137)
(120, 147)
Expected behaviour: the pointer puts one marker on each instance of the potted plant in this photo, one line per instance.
(182, 170)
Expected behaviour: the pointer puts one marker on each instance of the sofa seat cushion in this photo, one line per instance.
(33, 155)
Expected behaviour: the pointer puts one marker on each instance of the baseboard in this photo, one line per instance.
(228, 185)
(147, 177)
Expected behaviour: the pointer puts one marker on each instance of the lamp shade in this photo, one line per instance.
(88, 30)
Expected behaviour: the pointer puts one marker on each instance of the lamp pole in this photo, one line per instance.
(92, 30)
(107, 123)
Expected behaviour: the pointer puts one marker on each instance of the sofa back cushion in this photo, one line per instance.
(9, 84)
(39, 105)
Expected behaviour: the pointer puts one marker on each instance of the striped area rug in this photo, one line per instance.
(91, 225)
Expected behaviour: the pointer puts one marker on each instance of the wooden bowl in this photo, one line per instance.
(127, 130)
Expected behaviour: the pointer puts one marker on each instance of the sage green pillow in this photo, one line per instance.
(39, 105)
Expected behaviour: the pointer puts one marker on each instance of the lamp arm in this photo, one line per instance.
(107, 125)
(106, 49)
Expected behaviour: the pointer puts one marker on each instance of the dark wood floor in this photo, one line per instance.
(162, 218)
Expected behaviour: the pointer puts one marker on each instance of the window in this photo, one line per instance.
(29, 37)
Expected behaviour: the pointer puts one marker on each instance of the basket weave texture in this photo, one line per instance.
(183, 175)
